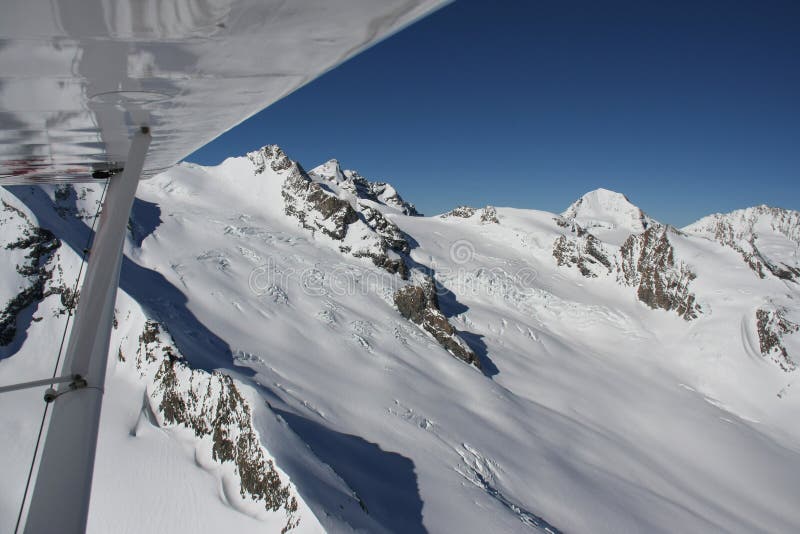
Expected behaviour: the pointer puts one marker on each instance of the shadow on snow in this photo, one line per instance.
(385, 481)
(158, 297)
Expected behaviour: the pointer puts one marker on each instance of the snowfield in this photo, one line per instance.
(628, 376)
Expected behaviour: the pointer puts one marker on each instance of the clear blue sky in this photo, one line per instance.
(687, 107)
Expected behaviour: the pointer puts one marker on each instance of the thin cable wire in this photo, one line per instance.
(89, 240)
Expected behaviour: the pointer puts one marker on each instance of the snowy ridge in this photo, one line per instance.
(358, 187)
(772, 327)
(648, 262)
(767, 238)
(360, 229)
(212, 407)
(529, 373)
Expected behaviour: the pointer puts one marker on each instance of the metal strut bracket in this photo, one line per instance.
(77, 382)
(64, 480)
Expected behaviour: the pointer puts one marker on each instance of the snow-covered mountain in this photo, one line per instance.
(301, 351)
(608, 215)
(767, 238)
(384, 195)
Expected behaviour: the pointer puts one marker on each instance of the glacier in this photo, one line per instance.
(604, 372)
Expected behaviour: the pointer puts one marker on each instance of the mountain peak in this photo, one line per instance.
(349, 180)
(271, 155)
(608, 212)
(600, 199)
(331, 170)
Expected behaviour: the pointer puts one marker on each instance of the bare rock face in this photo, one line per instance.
(772, 326)
(647, 262)
(211, 405)
(39, 271)
(390, 239)
(271, 155)
(363, 231)
(741, 231)
(392, 235)
(419, 304)
(463, 212)
(386, 194)
(583, 251)
(66, 197)
(314, 207)
(361, 188)
(487, 215)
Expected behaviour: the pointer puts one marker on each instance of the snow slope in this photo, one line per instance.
(596, 402)
(608, 215)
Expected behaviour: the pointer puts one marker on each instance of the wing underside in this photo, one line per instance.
(77, 78)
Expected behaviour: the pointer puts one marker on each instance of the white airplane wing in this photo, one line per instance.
(91, 89)
(78, 77)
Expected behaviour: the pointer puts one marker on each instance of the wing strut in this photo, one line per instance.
(60, 500)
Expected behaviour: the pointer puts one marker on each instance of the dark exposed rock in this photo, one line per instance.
(392, 266)
(464, 212)
(363, 189)
(314, 207)
(584, 251)
(489, 215)
(41, 246)
(771, 326)
(65, 199)
(394, 237)
(271, 155)
(420, 304)
(386, 194)
(319, 209)
(211, 405)
(647, 262)
(754, 259)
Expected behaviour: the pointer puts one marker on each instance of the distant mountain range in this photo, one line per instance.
(303, 351)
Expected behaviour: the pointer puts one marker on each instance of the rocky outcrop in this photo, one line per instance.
(211, 405)
(68, 200)
(420, 305)
(463, 212)
(582, 250)
(386, 194)
(40, 246)
(647, 262)
(394, 238)
(391, 239)
(361, 230)
(772, 325)
(488, 214)
(361, 188)
(272, 156)
(316, 208)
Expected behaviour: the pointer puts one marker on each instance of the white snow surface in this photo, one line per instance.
(593, 412)
(608, 215)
